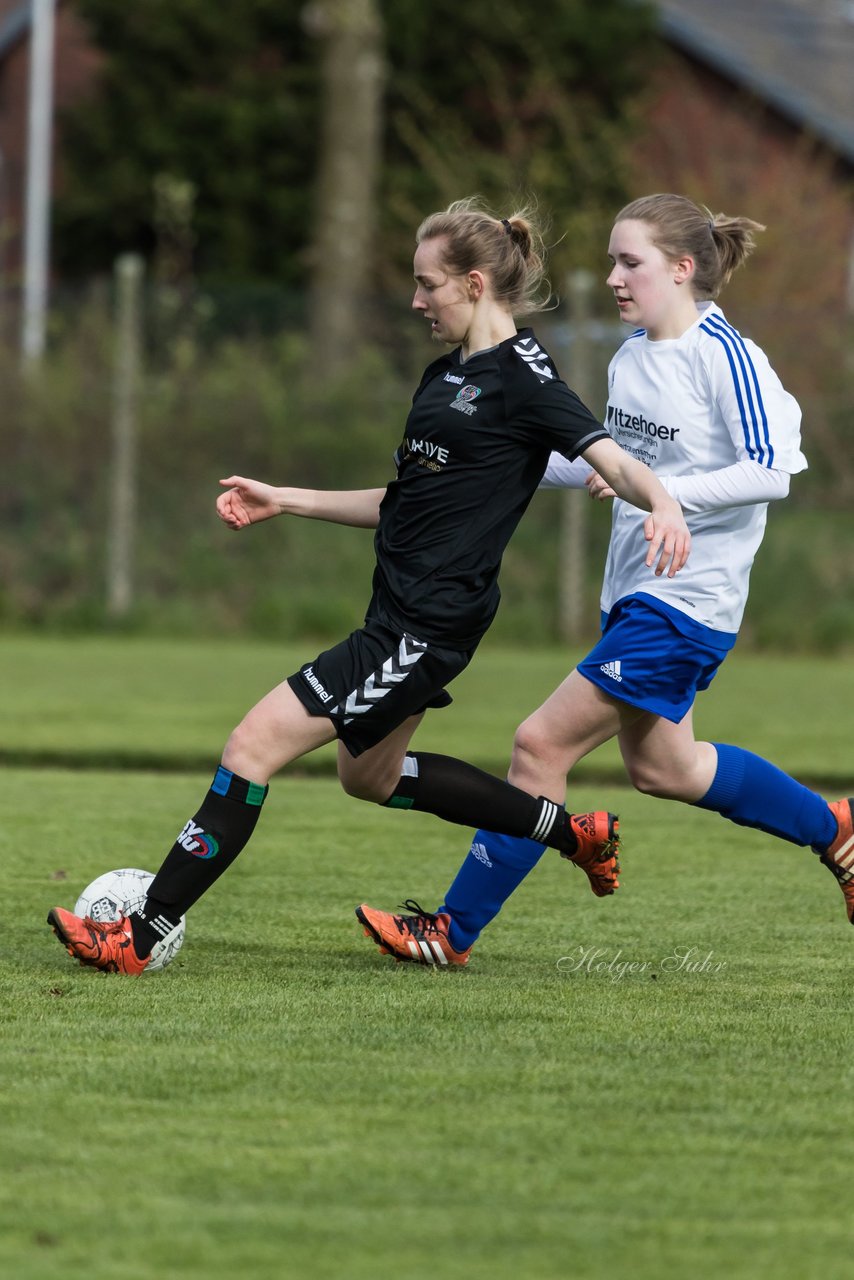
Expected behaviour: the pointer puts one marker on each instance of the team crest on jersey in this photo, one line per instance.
(463, 398)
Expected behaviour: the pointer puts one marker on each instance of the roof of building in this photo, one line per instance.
(796, 55)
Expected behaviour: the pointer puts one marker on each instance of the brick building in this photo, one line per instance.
(752, 106)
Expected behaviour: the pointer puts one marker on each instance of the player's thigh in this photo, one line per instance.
(575, 719)
(276, 731)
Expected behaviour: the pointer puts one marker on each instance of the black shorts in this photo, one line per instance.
(374, 680)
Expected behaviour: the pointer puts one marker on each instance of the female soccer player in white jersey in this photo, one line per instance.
(477, 441)
(700, 404)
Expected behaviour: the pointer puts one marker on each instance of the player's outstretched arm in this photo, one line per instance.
(248, 501)
(665, 528)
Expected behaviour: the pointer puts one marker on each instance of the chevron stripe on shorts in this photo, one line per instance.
(379, 683)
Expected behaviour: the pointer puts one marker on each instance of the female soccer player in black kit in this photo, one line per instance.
(483, 422)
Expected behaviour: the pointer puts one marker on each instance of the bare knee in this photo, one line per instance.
(663, 781)
(646, 778)
(365, 789)
(530, 742)
(535, 756)
(371, 786)
(243, 756)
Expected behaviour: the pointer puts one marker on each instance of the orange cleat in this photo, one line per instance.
(839, 857)
(421, 937)
(598, 836)
(106, 945)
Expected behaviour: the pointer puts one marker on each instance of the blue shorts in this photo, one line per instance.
(643, 659)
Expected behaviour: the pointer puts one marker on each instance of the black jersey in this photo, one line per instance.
(477, 441)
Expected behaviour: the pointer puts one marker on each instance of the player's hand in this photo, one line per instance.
(246, 502)
(598, 488)
(669, 539)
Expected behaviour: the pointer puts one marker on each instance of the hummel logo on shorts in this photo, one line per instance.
(612, 670)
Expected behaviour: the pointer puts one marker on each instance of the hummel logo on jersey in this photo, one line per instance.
(534, 356)
(612, 670)
(458, 379)
(479, 851)
(197, 841)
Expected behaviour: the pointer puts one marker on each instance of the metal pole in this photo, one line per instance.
(37, 217)
(572, 567)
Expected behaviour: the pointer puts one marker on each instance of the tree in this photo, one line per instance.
(352, 76)
(500, 99)
(220, 96)
(509, 100)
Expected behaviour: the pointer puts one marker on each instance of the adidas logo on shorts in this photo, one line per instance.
(612, 670)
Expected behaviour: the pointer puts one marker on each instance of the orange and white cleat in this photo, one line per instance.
(598, 836)
(421, 937)
(839, 856)
(106, 945)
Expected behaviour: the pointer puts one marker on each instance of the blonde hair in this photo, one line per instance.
(509, 251)
(717, 243)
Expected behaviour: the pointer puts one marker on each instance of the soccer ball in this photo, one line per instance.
(118, 893)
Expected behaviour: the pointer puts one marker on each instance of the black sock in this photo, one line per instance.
(205, 848)
(459, 792)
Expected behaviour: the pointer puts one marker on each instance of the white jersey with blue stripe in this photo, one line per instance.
(689, 406)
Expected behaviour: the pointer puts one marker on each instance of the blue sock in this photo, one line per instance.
(754, 793)
(494, 866)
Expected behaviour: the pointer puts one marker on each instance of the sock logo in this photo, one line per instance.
(479, 851)
(160, 924)
(197, 841)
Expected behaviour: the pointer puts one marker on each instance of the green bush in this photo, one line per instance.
(260, 406)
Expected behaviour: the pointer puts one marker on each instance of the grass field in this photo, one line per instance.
(112, 703)
(648, 1087)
